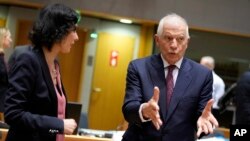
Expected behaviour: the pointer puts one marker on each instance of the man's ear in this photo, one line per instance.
(156, 37)
(188, 40)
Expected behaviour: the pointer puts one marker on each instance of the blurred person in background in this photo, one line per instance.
(242, 99)
(218, 83)
(5, 42)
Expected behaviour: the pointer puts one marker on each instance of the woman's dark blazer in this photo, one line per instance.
(3, 81)
(31, 100)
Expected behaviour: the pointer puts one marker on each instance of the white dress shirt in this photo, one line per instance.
(175, 74)
(218, 89)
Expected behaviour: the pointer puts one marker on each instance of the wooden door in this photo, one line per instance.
(108, 87)
(23, 28)
(71, 67)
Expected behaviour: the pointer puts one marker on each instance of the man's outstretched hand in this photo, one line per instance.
(151, 109)
(207, 122)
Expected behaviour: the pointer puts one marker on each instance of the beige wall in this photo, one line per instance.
(230, 16)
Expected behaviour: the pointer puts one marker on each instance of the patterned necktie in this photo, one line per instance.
(170, 83)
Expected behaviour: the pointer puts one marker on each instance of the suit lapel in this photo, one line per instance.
(157, 76)
(46, 75)
(182, 82)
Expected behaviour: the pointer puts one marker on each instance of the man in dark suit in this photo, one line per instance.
(242, 99)
(168, 110)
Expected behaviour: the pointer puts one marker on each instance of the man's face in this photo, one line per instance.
(173, 41)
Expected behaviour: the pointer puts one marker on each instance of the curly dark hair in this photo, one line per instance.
(54, 22)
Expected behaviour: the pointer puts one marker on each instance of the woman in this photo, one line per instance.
(5, 42)
(35, 103)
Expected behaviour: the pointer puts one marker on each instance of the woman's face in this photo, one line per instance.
(7, 40)
(68, 41)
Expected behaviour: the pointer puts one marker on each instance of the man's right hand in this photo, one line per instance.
(150, 110)
(69, 126)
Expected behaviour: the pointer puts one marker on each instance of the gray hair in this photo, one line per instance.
(209, 60)
(170, 16)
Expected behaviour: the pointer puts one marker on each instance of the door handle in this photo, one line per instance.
(97, 90)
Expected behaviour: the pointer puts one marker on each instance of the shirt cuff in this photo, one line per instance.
(140, 114)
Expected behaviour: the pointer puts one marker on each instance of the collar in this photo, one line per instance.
(166, 64)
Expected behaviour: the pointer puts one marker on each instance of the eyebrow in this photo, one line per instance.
(181, 34)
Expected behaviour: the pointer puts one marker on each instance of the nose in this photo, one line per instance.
(173, 43)
(76, 36)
